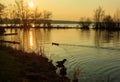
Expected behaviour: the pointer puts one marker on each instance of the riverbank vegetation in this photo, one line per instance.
(106, 21)
(101, 20)
(19, 66)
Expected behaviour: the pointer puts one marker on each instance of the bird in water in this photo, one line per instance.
(61, 63)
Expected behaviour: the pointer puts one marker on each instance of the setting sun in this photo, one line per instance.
(30, 4)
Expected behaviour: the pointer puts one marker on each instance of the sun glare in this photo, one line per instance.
(31, 4)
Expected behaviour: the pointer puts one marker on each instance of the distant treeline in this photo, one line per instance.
(20, 14)
(102, 21)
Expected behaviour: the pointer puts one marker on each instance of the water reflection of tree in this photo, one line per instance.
(37, 36)
(85, 33)
(107, 37)
(42, 38)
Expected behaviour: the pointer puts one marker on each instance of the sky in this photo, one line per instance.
(73, 9)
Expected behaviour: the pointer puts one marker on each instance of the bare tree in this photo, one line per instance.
(2, 7)
(28, 16)
(36, 16)
(20, 13)
(47, 18)
(98, 16)
(85, 23)
(108, 22)
(23, 12)
(117, 16)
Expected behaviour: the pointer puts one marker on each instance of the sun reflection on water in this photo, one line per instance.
(31, 39)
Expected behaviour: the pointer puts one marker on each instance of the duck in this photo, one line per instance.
(61, 63)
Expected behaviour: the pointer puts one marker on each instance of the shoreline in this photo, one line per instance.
(62, 27)
(19, 66)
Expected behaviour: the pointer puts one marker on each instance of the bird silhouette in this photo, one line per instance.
(61, 63)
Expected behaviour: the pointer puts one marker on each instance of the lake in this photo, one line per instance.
(93, 54)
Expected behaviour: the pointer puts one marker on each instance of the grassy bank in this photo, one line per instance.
(19, 66)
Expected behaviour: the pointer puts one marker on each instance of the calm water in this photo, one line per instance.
(94, 54)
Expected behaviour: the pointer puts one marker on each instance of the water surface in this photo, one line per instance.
(95, 54)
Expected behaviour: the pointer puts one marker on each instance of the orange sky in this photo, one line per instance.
(74, 9)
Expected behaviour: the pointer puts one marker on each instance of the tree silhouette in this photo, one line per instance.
(29, 16)
(23, 11)
(117, 16)
(36, 15)
(2, 7)
(108, 22)
(84, 23)
(98, 17)
(47, 18)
